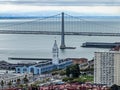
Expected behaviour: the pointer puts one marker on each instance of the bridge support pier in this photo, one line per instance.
(62, 33)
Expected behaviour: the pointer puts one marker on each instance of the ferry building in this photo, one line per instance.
(46, 65)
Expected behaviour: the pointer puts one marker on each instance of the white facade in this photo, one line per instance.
(55, 52)
(107, 68)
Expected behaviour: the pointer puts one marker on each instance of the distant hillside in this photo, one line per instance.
(18, 15)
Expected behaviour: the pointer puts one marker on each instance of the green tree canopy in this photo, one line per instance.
(68, 72)
(9, 83)
(114, 87)
(18, 81)
(25, 79)
(73, 70)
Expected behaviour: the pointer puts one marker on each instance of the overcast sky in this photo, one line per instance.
(63, 2)
(83, 7)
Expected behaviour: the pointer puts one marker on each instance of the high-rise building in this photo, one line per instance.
(107, 67)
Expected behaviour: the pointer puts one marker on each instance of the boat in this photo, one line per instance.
(100, 44)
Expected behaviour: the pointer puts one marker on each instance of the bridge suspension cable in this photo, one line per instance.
(33, 20)
(93, 24)
(53, 24)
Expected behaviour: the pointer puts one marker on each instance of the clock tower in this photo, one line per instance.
(55, 52)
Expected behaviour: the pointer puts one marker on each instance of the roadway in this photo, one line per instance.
(59, 33)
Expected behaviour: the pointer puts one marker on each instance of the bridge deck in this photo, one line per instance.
(59, 33)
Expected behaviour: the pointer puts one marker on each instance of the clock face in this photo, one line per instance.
(55, 50)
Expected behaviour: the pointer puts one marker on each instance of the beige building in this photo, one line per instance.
(107, 67)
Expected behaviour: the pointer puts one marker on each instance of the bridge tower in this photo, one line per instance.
(62, 33)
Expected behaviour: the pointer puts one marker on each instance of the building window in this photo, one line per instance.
(32, 70)
(24, 70)
(38, 71)
(18, 70)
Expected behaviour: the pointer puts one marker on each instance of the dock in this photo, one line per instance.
(32, 59)
(68, 48)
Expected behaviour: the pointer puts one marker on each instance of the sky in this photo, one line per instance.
(45, 7)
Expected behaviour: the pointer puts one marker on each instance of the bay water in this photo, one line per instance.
(40, 46)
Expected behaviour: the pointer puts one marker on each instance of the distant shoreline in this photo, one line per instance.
(32, 17)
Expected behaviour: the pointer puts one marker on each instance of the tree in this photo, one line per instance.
(54, 73)
(21, 85)
(9, 83)
(114, 87)
(18, 81)
(25, 79)
(2, 84)
(62, 72)
(73, 70)
(34, 86)
(68, 72)
(77, 71)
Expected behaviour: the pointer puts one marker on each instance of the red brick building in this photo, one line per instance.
(79, 60)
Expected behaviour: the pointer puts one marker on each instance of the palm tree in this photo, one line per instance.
(2, 84)
(9, 83)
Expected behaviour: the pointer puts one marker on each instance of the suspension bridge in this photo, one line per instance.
(60, 24)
